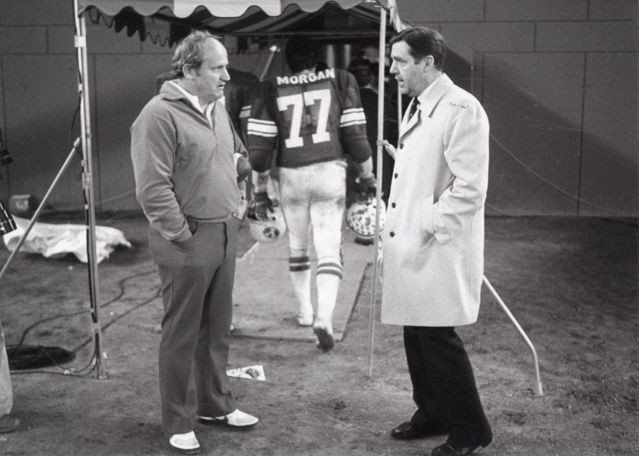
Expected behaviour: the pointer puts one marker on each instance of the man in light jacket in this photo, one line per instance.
(187, 162)
(433, 242)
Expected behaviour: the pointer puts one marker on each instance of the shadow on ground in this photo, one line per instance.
(572, 284)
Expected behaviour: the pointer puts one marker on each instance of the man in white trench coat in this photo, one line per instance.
(433, 242)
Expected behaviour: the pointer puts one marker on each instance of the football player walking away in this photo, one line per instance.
(302, 125)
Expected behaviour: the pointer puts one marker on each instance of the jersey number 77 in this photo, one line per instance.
(297, 102)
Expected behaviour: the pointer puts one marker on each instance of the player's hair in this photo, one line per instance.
(190, 51)
(423, 41)
(301, 53)
(362, 70)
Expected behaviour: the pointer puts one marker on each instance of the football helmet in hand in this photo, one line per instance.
(266, 220)
(259, 206)
(361, 216)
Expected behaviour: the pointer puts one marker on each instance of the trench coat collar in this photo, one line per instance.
(428, 101)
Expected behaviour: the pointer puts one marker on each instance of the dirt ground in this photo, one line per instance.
(571, 283)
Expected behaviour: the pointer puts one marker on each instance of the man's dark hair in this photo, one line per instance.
(362, 70)
(423, 41)
(301, 53)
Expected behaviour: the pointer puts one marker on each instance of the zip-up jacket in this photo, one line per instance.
(183, 165)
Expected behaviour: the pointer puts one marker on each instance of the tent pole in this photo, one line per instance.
(539, 389)
(87, 186)
(400, 109)
(273, 49)
(379, 172)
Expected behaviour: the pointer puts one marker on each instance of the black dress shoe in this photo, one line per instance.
(409, 431)
(448, 449)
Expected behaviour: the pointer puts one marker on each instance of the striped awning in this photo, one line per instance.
(216, 8)
(250, 17)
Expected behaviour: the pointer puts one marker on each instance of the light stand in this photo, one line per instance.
(35, 216)
(87, 182)
(32, 222)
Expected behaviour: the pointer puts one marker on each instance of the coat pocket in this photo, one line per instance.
(426, 216)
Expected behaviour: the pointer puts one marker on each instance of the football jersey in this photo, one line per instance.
(239, 93)
(307, 118)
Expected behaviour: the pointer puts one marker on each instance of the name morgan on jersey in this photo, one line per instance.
(306, 78)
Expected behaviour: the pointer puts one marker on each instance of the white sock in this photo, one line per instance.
(300, 274)
(328, 278)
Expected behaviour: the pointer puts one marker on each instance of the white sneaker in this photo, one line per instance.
(185, 443)
(305, 315)
(236, 419)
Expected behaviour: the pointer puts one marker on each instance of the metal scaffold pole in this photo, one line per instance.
(87, 186)
(379, 171)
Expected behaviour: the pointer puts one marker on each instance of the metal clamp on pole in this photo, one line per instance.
(80, 41)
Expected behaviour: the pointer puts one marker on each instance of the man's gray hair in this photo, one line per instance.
(190, 51)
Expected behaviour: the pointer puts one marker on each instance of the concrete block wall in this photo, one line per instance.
(558, 79)
(39, 96)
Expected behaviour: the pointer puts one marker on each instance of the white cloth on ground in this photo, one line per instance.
(56, 240)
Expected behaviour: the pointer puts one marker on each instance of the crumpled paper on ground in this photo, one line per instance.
(249, 372)
(52, 240)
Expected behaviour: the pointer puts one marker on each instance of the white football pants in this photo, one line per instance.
(312, 199)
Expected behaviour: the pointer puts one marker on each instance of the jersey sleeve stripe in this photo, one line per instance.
(245, 111)
(350, 124)
(352, 119)
(261, 133)
(349, 113)
(253, 120)
(261, 128)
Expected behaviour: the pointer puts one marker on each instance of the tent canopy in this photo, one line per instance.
(217, 8)
(248, 17)
(185, 9)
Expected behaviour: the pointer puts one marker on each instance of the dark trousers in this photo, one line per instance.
(444, 385)
(196, 286)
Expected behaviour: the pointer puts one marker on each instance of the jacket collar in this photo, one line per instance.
(172, 91)
(428, 101)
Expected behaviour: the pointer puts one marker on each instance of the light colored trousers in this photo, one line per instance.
(6, 393)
